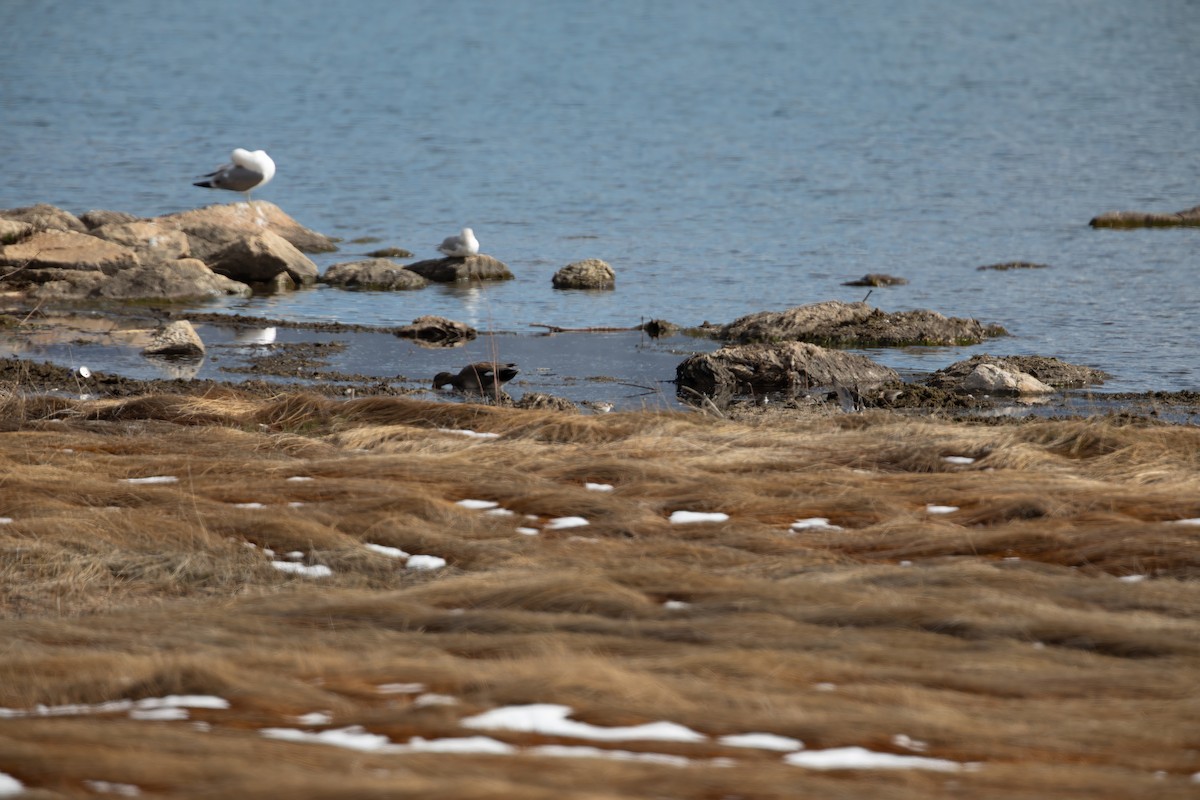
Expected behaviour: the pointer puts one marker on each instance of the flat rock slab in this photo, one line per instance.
(183, 279)
(1057, 374)
(471, 268)
(1147, 219)
(150, 240)
(837, 324)
(376, 274)
(67, 250)
(212, 228)
(782, 367)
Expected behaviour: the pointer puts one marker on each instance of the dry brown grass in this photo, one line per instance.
(998, 633)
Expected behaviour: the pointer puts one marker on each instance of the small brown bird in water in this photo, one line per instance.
(482, 377)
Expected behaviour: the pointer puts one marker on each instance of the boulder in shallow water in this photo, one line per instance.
(437, 331)
(1052, 371)
(176, 338)
(376, 274)
(182, 279)
(784, 367)
(837, 324)
(470, 268)
(591, 273)
(263, 258)
(992, 379)
(213, 228)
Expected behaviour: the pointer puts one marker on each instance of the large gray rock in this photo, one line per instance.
(67, 250)
(176, 338)
(837, 324)
(213, 228)
(1147, 219)
(378, 274)
(45, 217)
(470, 268)
(264, 258)
(437, 331)
(150, 240)
(591, 273)
(783, 367)
(1058, 374)
(183, 279)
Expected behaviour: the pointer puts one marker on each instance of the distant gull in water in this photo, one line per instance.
(461, 246)
(246, 171)
(482, 377)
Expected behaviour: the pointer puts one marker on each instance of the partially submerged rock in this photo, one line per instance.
(877, 279)
(177, 339)
(377, 274)
(183, 279)
(437, 331)
(45, 217)
(837, 324)
(784, 367)
(456, 268)
(390, 252)
(1147, 219)
(591, 273)
(1007, 265)
(1051, 371)
(152, 242)
(264, 257)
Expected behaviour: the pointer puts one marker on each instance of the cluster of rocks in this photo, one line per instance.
(50, 254)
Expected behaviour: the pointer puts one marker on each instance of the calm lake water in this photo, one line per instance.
(724, 157)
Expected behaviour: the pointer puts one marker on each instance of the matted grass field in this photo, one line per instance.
(221, 596)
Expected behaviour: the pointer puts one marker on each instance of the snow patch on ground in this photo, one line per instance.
(690, 517)
(549, 719)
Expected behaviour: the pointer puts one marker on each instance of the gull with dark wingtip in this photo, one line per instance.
(246, 171)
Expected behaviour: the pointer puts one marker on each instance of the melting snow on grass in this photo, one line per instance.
(10, 786)
(299, 478)
(528, 531)
(153, 479)
(598, 487)
(958, 459)
(549, 719)
(425, 562)
(562, 523)
(6, 520)
(814, 523)
(400, 688)
(862, 758)
(689, 517)
(762, 741)
(384, 550)
(1192, 521)
(307, 571)
(477, 505)
(936, 509)
(148, 708)
(108, 787)
(473, 434)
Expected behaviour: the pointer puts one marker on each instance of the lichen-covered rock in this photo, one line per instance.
(176, 338)
(455, 268)
(591, 273)
(213, 228)
(782, 367)
(263, 258)
(837, 324)
(45, 217)
(437, 331)
(57, 249)
(151, 241)
(1147, 219)
(377, 274)
(182, 279)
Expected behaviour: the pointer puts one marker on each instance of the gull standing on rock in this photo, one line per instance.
(461, 246)
(246, 171)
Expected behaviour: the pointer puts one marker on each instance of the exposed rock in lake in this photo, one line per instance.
(264, 257)
(182, 279)
(659, 327)
(1007, 265)
(591, 273)
(66, 250)
(212, 228)
(1147, 219)
(45, 217)
(836, 324)
(993, 379)
(877, 279)
(783, 367)
(437, 331)
(390, 252)
(457, 268)
(1057, 374)
(377, 274)
(176, 338)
